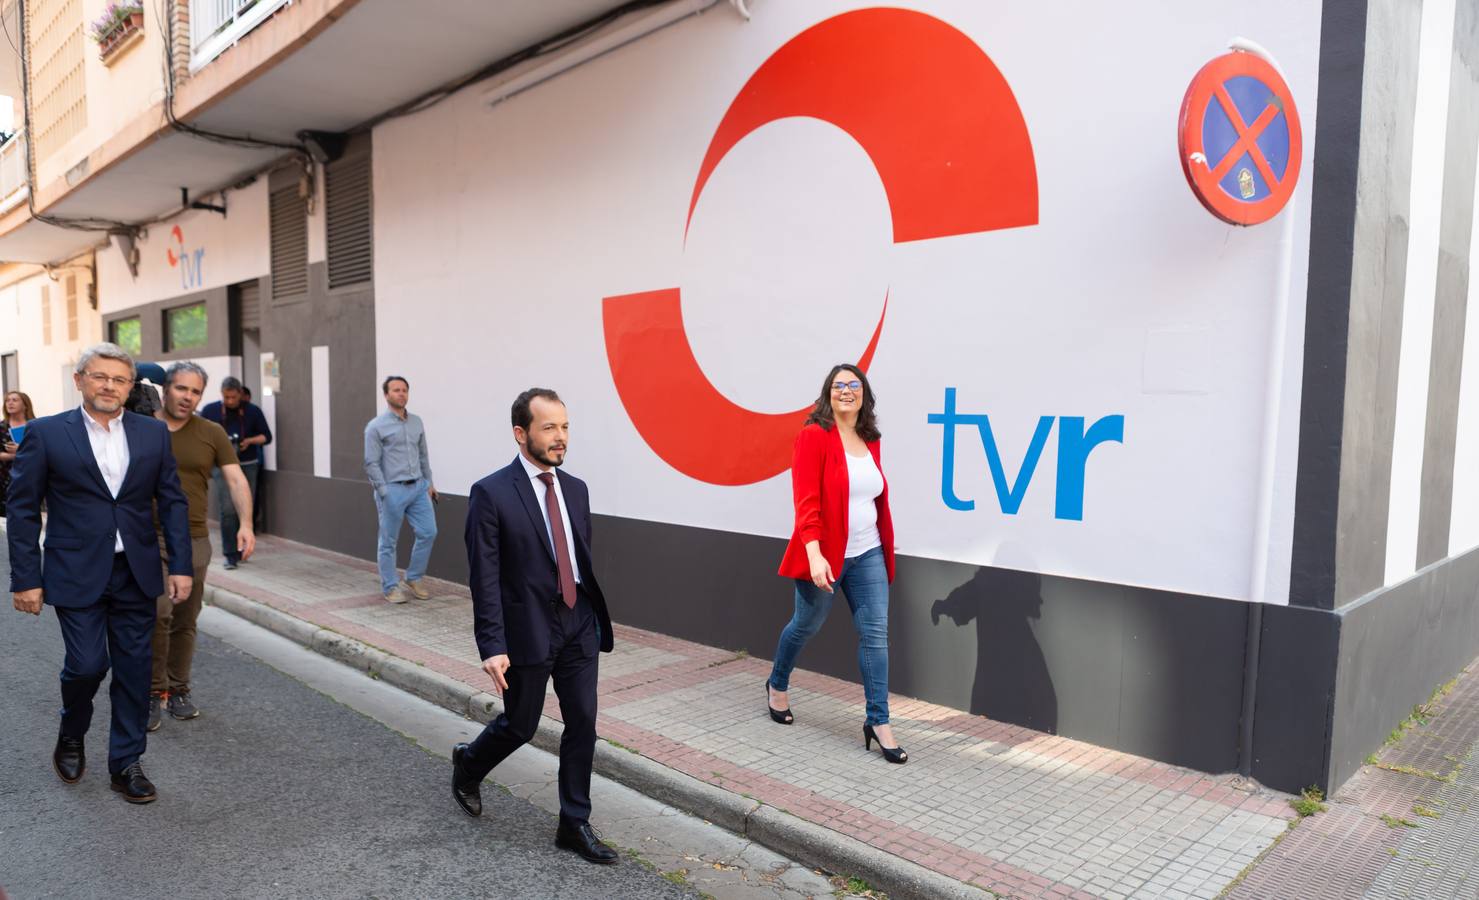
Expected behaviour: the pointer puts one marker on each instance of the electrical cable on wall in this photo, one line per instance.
(82, 224)
(302, 155)
(533, 51)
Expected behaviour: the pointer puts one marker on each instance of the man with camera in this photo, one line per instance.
(246, 427)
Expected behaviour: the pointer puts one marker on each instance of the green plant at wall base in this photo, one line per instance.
(1309, 802)
(1420, 773)
(853, 886)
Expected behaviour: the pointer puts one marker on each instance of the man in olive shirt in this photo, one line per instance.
(199, 446)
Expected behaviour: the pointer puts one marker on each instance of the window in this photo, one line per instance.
(71, 307)
(184, 327)
(289, 226)
(46, 314)
(127, 333)
(347, 220)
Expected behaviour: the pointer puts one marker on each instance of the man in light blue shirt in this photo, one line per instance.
(399, 469)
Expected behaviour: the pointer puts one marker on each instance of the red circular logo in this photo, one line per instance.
(1240, 139)
(944, 131)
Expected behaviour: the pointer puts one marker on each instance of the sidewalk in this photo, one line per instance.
(999, 807)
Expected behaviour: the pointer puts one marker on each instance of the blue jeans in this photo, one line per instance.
(408, 502)
(864, 581)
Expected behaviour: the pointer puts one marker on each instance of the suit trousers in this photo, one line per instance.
(115, 631)
(574, 655)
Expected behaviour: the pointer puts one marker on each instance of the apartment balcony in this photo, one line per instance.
(14, 186)
(265, 70)
(216, 25)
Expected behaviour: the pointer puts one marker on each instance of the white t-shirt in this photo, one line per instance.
(864, 485)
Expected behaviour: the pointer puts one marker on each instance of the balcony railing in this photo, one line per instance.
(13, 185)
(217, 24)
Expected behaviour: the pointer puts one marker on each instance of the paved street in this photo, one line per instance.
(307, 778)
(275, 791)
(1018, 812)
(281, 791)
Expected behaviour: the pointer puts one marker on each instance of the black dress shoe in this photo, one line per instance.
(464, 789)
(68, 760)
(134, 786)
(583, 839)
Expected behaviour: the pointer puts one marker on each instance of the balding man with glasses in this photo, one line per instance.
(100, 471)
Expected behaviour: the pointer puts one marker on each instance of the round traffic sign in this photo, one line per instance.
(1240, 140)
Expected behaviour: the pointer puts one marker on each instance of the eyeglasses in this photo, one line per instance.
(99, 379)
(840, 386)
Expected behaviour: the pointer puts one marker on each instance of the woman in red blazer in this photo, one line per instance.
(843, 536)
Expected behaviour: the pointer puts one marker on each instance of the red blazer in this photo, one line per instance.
(819, 484)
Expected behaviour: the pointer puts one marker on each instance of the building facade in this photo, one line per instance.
(1190, 490)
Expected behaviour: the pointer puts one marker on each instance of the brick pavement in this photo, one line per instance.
(1018, 812)
(1405, 826)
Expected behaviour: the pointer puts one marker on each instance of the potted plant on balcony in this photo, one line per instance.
(117, 26)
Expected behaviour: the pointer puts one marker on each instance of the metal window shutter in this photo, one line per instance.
(348, 220)
(251, 305)
(289, 226)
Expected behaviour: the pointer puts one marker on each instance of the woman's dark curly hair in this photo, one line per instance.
(821, 414)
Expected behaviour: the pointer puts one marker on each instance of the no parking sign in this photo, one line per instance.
(1240, 139)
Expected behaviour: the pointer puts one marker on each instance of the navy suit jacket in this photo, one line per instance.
(56, 464)
(514, 579)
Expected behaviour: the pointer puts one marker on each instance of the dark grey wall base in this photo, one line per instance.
(1396, 646)
(1152, 673)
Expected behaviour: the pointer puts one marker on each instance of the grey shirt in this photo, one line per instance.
(395, 450)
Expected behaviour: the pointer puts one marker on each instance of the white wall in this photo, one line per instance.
(230, 249)
(1430, 127)
(1464, 523)
(500, 231)
(44, 369)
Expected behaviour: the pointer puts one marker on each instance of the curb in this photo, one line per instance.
(805, 842)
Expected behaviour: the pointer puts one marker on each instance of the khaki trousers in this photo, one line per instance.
(174, 630)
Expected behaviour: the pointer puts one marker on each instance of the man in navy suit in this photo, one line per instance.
(538, 613)
(100, 471)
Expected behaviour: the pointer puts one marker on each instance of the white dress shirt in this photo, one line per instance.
(110, 449)
(539, 489)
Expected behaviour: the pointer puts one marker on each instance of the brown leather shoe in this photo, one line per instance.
(418, 590)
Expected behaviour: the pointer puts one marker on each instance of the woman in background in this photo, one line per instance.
(18, 411)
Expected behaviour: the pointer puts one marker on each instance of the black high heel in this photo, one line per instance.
(892, 754)
(780, 716)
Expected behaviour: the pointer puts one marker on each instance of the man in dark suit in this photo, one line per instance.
(538, 613)
(100, 471)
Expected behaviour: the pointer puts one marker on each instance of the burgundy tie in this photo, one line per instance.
(557, 529)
